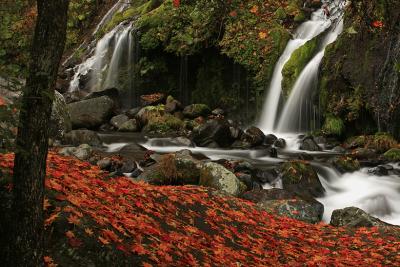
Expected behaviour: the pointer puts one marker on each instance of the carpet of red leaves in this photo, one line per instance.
(194, 226)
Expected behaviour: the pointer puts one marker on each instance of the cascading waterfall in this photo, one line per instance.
(120, 6)
(299, 103)
(298, 111)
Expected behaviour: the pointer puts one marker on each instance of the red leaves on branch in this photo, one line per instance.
(189, 226)
(176, 3)
(377, 24)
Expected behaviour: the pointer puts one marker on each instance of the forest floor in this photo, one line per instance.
(94, 220)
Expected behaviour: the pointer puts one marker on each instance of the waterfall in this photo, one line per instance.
(120, 6)
(297, 113)
(269, 119)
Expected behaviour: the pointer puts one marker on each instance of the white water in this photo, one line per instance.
(297, 113)
(120, 6)
(307, 31)
(377, 195)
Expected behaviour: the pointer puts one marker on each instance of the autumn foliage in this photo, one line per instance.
(141, 224)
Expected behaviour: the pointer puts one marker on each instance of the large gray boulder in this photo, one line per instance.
(60, 122)
(91, 113)
(218, 177)
(78, 137)
(118, 120)
(214, 133)
(354, 217)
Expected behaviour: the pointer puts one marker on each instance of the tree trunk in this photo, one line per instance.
(32, 140)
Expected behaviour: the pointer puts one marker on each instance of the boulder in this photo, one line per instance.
(83, 152)
(182, 141)
(364, 153)
(163, 124)
(345, 164)
(248, 180)
(280, 143)
(104, 164)
(254, 136)
(301, 178)
(218, 112)
(196, 110)
(179, 168)
(266, 175)
(214, 133)
(270, 139)
(309, 144)
(60, 121)
(379, 171)
(354, 217)
(132, 112)
(339, 149)
(118, 120)
(172, 105)
(129, 126)
(91, 113)
(78, 137)
(149, 112)
(218, 177)
(392, 154)
(112, 93)
(285, 203)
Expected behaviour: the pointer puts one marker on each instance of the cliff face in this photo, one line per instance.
(360, 75)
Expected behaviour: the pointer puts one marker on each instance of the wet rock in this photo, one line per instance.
(60, 121)
(83, 152)
(104, 164)
(273, 152)
(354, 217)
(320, 140)
(218, 177)
(379, 171)
(254, 136)
(392, 154)
(236, 132)
(246, 179)
(266, 175)
(172, 105)
(132, 112)
(118, 120)
(129, 126)
(346, 164)
(128, 166)
(364, 153)
(112, 93)
(182, 141)
(280, 143)
(301, 178)
(149, 112)
(153, 99)
(214, 132)
(91, 113)
(67, 151)
(77, 137)
(305, 156)
(270, 139)
(242, 166)
(285, 203)
(339, 149)
(165, 124)
(196, 110)
(218, 112)
(309, 144)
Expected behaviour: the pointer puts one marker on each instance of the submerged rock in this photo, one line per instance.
(354, 217)
(280, 143)
(218, 177)
(270, 139)
(91, 113)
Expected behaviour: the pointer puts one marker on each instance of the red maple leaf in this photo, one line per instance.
(176, 3)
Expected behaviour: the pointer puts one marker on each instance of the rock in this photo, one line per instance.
(354, 217)
(265, 176)
(280, 143)
(305, 156)
(379, 171)
(346, 164)
(153, 99)
(214, 132)
(218, 112)
(243, 166)
(182, 141)
(132, 112)
(236, 132)
(128, 166)
(67, 151)
(83, 152)
(172, 105)
(118, 120)
(301, 178)
(254, 136)
(60, 121)
(364, 153)
(273, 152)
(270, 139)
(149, 112)
(309, 144)
(339, 149)
(104, 164)
(77, 137)
(91, 113)
(179, 168)
(196, 110)
(246, 179)
(320, 140)
(112, 93)
(285, 203)
(392, 154)
(164, 124)
(129, 126)
(218, 177)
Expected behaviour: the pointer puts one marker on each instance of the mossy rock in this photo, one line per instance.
(392, 154)
(380, 142)
(299, 59)
(164, 124)
(301, 178)
(196, 110)
(346, 164)
(333, 126)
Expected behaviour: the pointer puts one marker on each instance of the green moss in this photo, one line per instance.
(380, 142)
(346, 164)
(333, 126)
(299, 59)
(163, 124)
(295, 171)
(392, 154)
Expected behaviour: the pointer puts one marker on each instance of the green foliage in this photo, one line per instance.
(333, 126)
(393, 154)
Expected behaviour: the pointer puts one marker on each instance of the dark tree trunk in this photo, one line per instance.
(32, 140)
